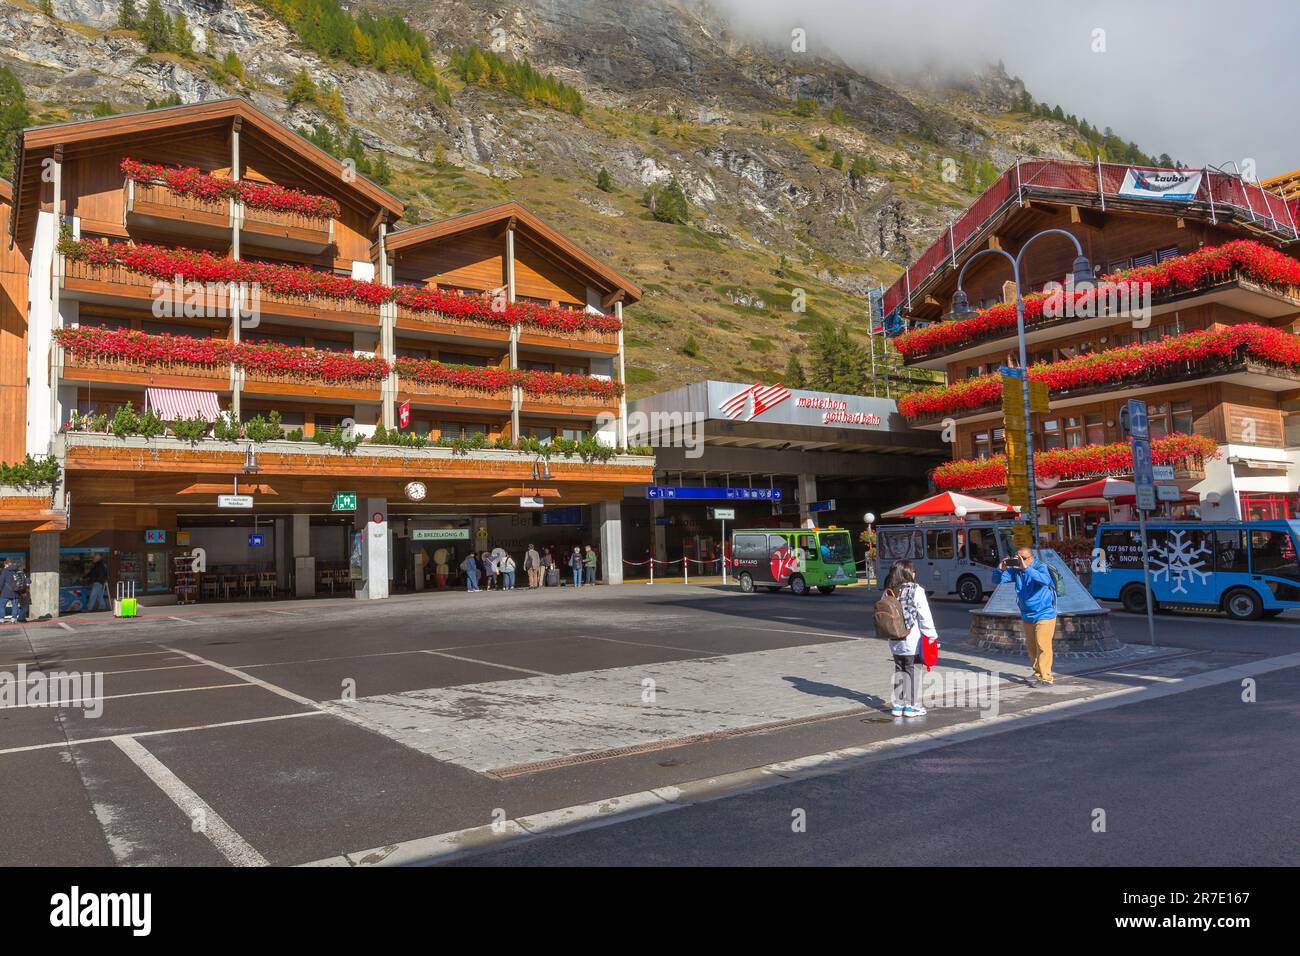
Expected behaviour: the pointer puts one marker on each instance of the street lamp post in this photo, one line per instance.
(961, 310)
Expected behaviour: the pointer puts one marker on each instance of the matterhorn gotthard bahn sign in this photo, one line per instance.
(778, 405)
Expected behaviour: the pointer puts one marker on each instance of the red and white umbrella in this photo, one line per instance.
(1094, 492)
(947, 503)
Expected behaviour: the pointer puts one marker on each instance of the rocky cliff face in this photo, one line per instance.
(671, 92)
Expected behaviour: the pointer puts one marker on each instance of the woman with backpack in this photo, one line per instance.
(903, 617)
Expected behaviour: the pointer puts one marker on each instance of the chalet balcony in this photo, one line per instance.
(184, 203)
(451, 327)
(450, 315)
(126, 357)
(290, 231)
(1187, 455)
(133, 275)
(448, 395)
(1256, 357)
(1243, 276)
(89, 452)
(576, 406)
(87, 281)
(156, 208)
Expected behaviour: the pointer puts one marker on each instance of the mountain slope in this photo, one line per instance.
(762, 142)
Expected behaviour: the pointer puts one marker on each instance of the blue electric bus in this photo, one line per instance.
(1247, 569)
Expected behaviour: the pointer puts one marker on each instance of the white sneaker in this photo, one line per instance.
(914, 711)
(896, 710)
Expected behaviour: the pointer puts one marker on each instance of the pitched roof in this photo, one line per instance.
(527, 222)
(82, 137)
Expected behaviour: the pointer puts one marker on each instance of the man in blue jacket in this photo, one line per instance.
(1036, 595)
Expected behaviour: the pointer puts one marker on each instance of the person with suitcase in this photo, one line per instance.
(575, 565)
(902, 617)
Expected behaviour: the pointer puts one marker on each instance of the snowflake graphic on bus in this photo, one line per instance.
(1178, 562)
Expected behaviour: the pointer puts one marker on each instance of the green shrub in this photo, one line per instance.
(31, 473)
(260, 429)
(125, 422)
(151, 426)
(190, 429)
(225, 428)
(295, 435)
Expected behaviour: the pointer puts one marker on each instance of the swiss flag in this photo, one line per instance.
(404, 414)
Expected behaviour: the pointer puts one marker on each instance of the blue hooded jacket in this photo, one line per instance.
(1035, 591)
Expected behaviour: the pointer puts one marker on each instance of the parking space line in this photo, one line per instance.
(271, 610)
(235, 672)
(458, 844)
(663, 647)
(66, 627)
(183, 620)
(506, 667)
(140, 693)
(75, 742)
(102, 657)
(203, 818)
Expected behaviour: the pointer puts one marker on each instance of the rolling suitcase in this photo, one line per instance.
(552, 577)
(124, 602)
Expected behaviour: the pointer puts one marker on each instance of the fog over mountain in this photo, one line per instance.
(1204, 81)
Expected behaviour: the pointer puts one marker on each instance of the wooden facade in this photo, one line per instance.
(505, 247)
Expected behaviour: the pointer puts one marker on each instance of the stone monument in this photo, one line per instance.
(1082, 625)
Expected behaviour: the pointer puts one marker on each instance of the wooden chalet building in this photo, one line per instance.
(179, 282)
(1216, 356)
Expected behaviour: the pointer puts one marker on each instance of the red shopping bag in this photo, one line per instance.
(929, 651)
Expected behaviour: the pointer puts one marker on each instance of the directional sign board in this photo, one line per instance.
(1163, 472)
(1169, 493)
(1138, 425)
(344, 501)
(723, 514)
(234, 501)
(256, 541)
(713, 494)
(828, 505)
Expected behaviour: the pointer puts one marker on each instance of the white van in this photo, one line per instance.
(951, 556)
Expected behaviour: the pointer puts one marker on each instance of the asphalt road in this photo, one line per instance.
(1195, 779)
(227, 736)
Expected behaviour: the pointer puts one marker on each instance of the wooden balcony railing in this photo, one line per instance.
(158, 202)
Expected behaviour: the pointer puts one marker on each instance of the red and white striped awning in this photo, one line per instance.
(171, 404)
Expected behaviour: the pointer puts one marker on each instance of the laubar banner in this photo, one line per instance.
(1179, 185)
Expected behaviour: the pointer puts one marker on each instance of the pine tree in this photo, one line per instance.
(839, 364)
(794, 376)
(128, 16)
(233, 66)
(667, 203)
(182, 38)
(603, 182)
(303, 89)
(383, 172)
(837, 160)
(14, 116)
(156, 28)
(691, 347)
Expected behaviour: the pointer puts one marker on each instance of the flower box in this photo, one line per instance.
(1066, 464)
(1203, 268)
(1177, 357)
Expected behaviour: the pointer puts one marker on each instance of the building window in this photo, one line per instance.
(538, 366)
(1095, 429)
(461, 429)
(1148, 259)
(332, 345)
(1051, 434)
(1269, 507)
(1158, 419)
(1119, 265)
(540, 432)
(414, 353)
(1183, 419)
(1168, 252)
(573, 434)
(1074, 437)
(461, 358)
(574, 370)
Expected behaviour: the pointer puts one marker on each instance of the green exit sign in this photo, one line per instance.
(345, 501)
